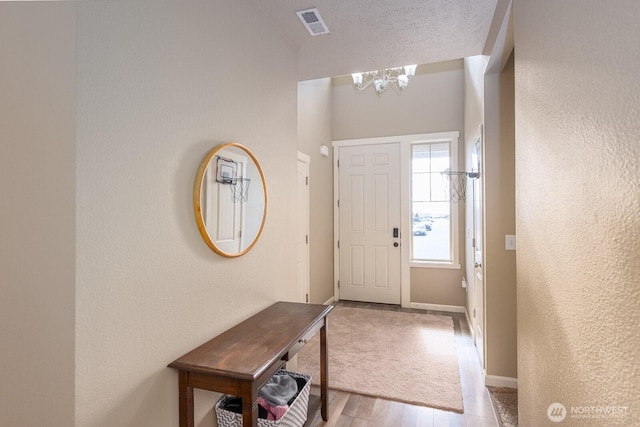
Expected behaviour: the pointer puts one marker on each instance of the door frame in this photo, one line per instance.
(305, 290)
(478, 229)
(405, 142)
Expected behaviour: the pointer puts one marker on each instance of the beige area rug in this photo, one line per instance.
(505, 401)
(407, 357)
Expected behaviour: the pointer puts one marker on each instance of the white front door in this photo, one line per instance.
(369, 223)
(302, 229)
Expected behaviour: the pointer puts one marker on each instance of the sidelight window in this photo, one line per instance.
(433, 215)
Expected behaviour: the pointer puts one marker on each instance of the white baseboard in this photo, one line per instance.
(438, 307)
(329, 301)
(498, 381)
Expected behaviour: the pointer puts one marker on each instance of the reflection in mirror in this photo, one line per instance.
(230, 199)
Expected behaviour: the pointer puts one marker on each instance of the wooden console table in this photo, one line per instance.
(242, 359)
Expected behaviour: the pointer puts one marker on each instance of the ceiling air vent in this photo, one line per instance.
(313, 21)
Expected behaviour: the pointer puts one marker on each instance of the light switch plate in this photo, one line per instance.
(510, 242)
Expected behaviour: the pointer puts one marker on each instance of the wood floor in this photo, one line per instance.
(353, 410)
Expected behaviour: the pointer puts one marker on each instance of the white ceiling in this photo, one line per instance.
(371, 34)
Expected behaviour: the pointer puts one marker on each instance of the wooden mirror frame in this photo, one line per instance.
(197, 199)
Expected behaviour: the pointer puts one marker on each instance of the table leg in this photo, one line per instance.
(324, 372)
(185, 400)
(249, 405)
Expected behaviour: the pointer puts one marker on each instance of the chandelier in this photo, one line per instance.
(397, 78)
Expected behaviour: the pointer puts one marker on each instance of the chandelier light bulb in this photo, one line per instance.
(397, 78)
(410, 70)
(380, 86)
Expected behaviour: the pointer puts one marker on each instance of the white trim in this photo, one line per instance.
(438, 307)
(405, 228)
(336, 224)
(434, 264)
(329, 301)
(406, 155)
(306, 160)
(304, 157)
(498, 381)
(422, 137)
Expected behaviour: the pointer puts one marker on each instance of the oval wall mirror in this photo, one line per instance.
(230, 199)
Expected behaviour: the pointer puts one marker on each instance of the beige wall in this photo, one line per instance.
(433, 102)
(37, 227)
(489, 102)
(499, 220)
(155, 89)
(442, 286)
(314, 130)
(578, 209)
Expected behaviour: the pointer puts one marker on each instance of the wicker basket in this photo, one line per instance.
(294, 417)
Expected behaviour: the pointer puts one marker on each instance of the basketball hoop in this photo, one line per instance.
(458, 183)
(239, 189)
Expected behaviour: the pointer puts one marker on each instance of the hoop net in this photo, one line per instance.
(457, 185)
(239, 189)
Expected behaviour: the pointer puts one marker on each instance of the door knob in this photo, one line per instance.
(396, 244)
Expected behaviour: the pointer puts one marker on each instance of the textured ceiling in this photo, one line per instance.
(371, 34)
